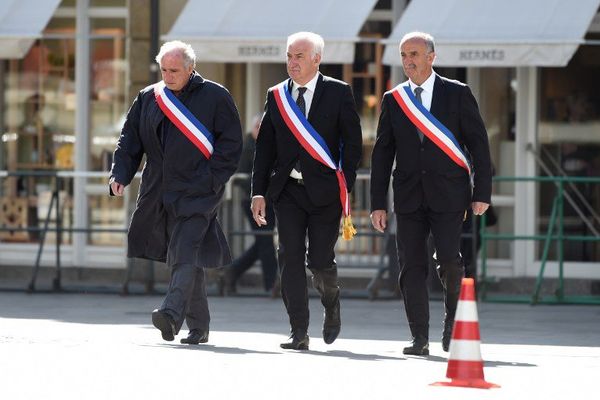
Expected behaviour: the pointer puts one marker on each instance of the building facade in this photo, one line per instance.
(66, 88)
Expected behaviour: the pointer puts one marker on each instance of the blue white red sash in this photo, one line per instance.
(430, 126)
(312, 142)
(183, 119)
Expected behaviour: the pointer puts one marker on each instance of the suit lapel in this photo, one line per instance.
(437, 105)
(316, 97)
(290, 87)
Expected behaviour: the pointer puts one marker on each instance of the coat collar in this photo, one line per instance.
(195, 81)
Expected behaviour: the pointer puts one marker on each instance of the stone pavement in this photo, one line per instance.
(78, 346)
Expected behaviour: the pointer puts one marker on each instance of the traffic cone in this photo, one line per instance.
(465, 365)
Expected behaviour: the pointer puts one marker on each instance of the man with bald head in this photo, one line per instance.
(189, 130)
(307, 152)
(431, 127)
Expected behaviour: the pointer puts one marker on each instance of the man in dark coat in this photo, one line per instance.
(306, 193)
(175, 220)
(431, 190)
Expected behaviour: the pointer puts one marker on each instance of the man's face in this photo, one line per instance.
(174, 72)
(301, 66)
(416, 61)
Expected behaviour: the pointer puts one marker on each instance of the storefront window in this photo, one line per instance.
(107, 111)
(39, 108)
(39, 117)
(107, 103)
(570, 146)
(38, 135)
(369, 79)
(497, 106)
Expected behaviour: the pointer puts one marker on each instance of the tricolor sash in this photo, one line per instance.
(183, 119)
(315, 145)
(430, 126)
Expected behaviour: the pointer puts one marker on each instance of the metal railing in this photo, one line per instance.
(365, 256)
(57, 178)
(555, 233)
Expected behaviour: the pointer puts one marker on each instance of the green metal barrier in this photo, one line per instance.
(554, 233)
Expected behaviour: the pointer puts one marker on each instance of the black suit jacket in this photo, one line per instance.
(445, 185)
(333, 115)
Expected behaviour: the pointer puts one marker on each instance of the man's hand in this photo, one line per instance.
(117, 188)
(379, 220)
(479, 208)
(258, 208)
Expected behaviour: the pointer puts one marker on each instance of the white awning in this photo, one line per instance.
(492, 33)
(257, 30)
(21, 23)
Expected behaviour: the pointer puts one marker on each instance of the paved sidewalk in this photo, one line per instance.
(74, 346)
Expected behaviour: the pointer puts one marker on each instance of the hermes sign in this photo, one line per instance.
(481, 55)
(260, 51)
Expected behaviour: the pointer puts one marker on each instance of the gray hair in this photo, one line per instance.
(426, 37)
(186, 51)
(316, 40)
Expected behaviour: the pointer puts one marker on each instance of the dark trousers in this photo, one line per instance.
(468, 249)
(186, 297)
(262, 248)
(412, 233)
(297, 219)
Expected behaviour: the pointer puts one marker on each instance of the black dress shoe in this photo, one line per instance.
(418, 347)
(447, 335)
(196, 336)
(298, 341)
(164, 322)
(332, 323)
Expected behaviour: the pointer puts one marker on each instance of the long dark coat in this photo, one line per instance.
(178, 182)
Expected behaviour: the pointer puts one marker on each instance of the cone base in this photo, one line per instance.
(472, 383)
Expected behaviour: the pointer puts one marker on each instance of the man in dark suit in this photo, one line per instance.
(432, 186)
(183, 181)
(305, 192)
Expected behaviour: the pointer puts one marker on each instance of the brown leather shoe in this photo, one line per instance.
(298, 341)
(196, 336)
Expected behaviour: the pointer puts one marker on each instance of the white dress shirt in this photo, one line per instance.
(308, 96)
(427, 93)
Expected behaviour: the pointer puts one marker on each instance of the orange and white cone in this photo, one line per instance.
(465, 365)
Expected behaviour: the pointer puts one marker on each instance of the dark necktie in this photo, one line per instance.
(418, 91)
(302, 106)
(300, 100)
